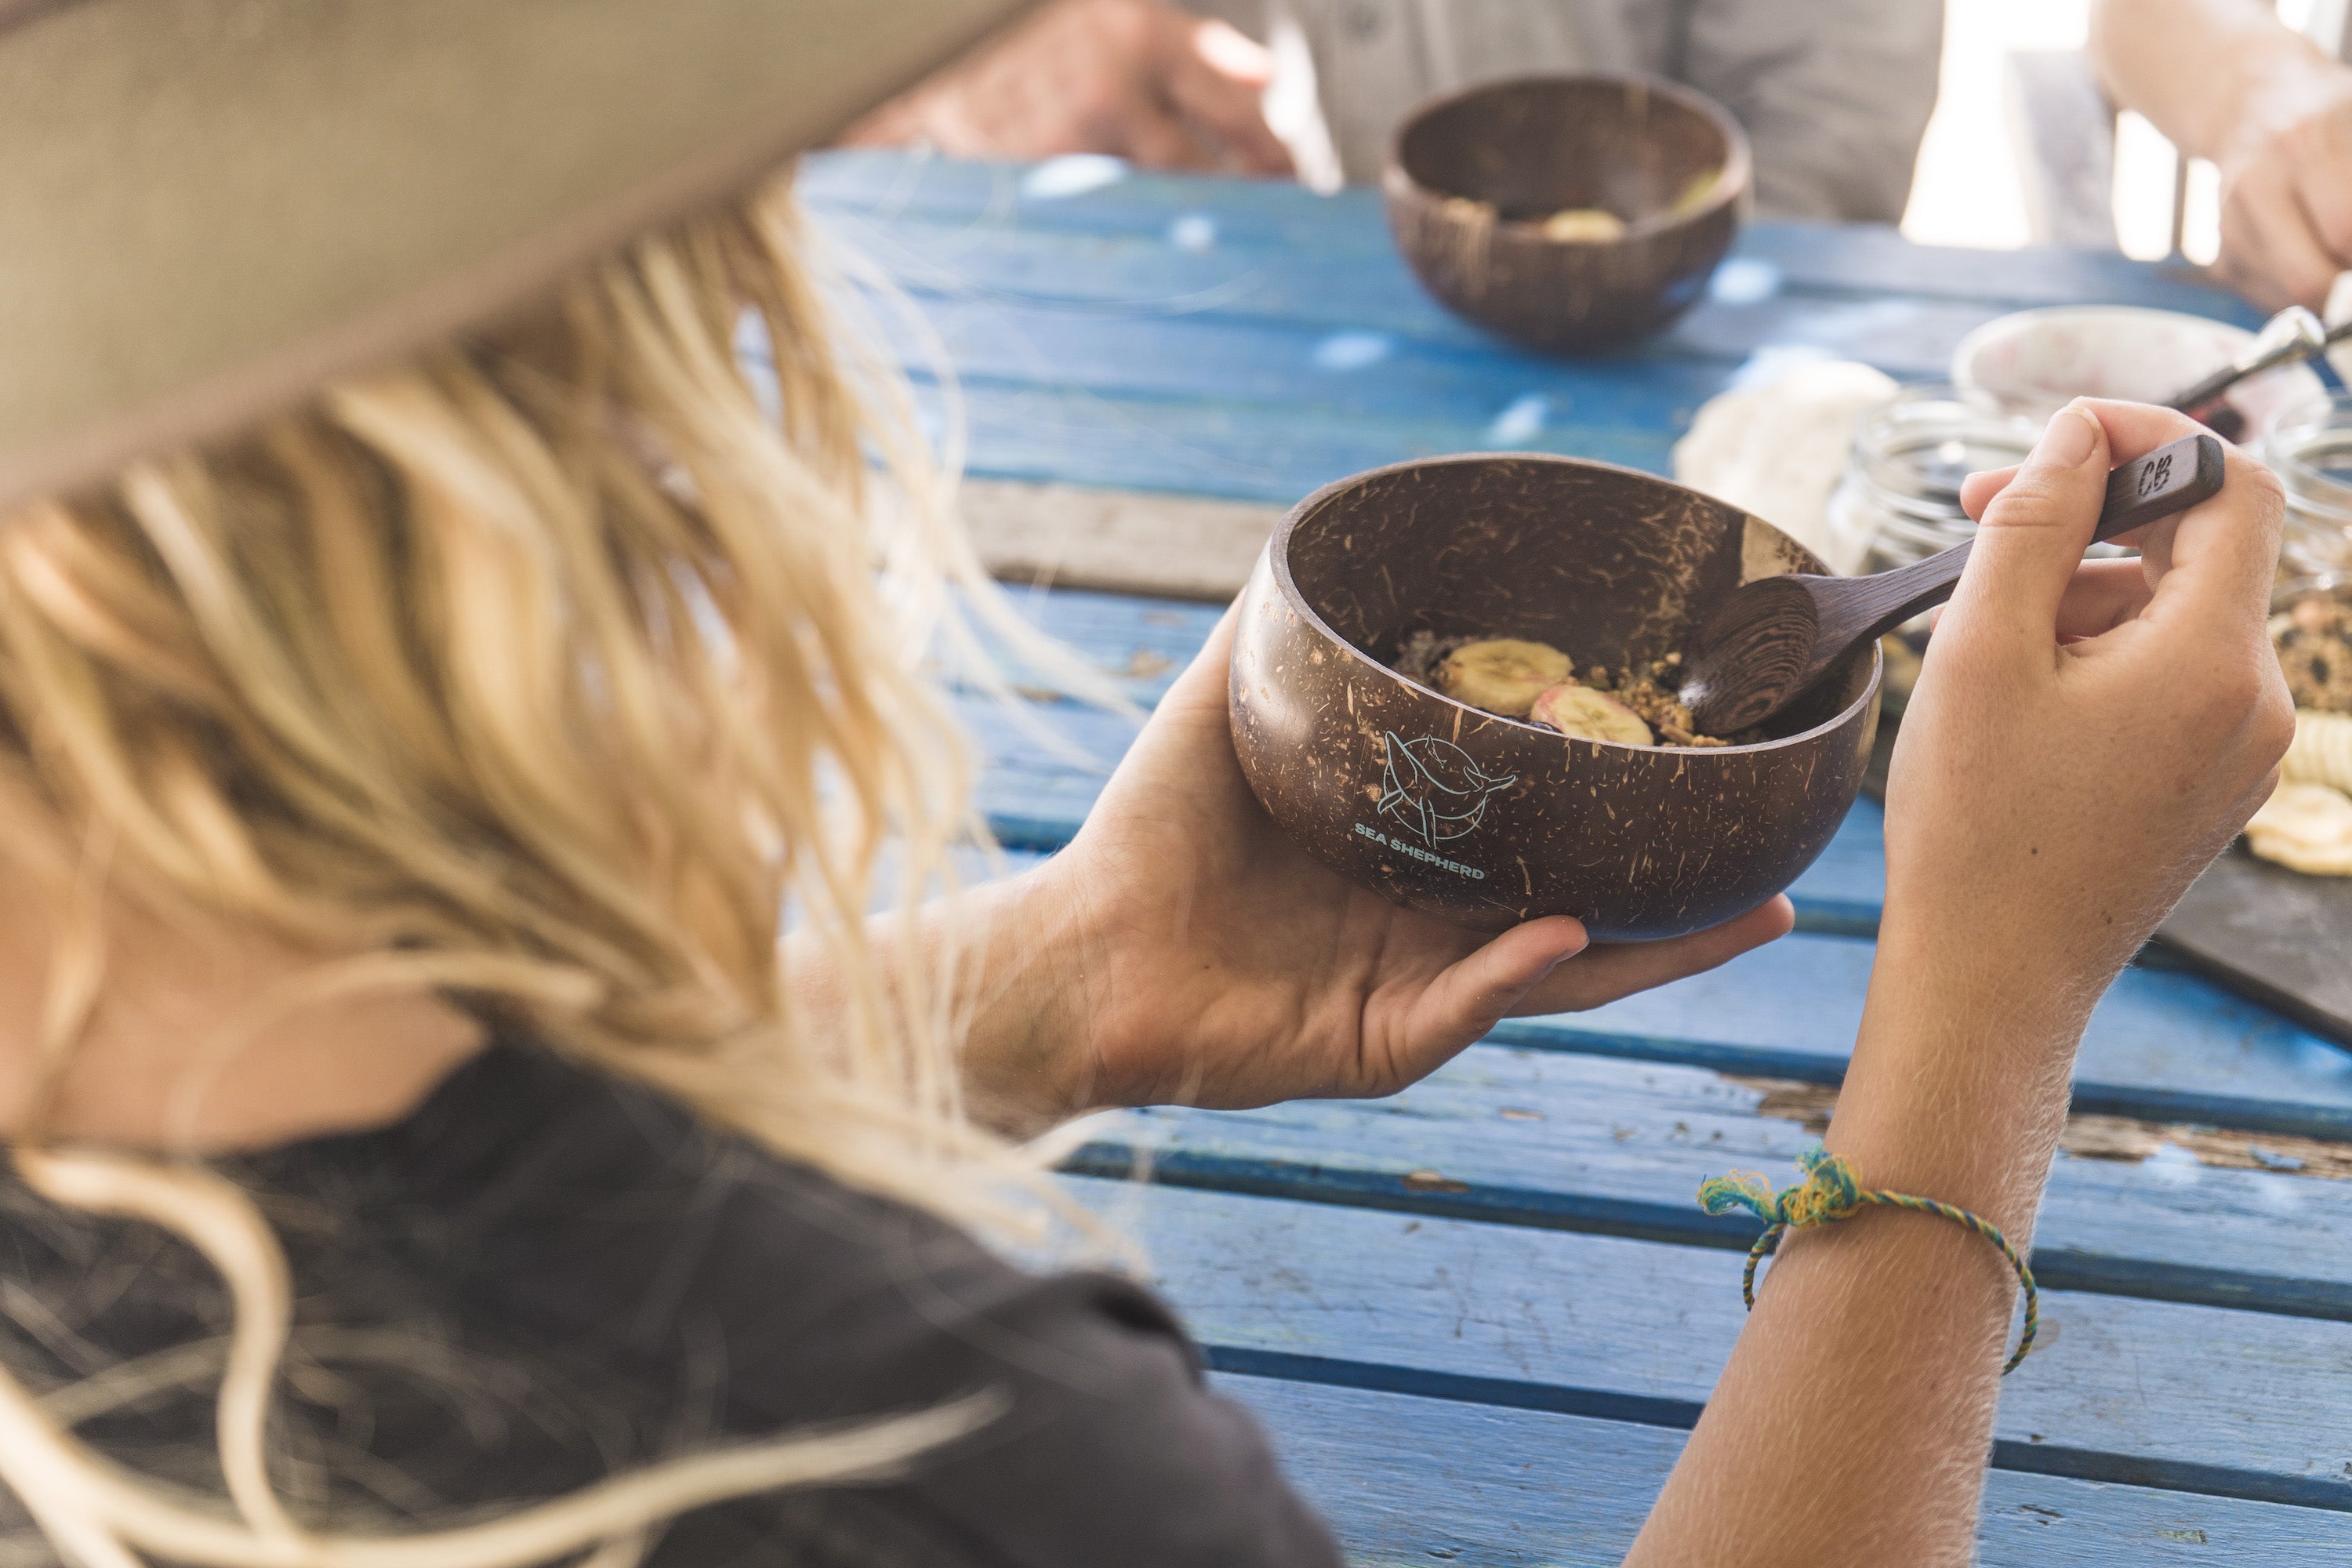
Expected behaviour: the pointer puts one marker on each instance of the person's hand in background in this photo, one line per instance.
(2226, 80)
(2286, 189)
(1135, 79)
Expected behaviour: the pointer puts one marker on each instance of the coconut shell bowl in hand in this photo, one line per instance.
(1486, 821)
(1571, 214)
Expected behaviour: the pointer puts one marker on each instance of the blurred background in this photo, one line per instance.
(2022, 149)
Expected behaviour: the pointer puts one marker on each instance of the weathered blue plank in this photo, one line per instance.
(883, 187)
(1274, 452)
(2149, 1392)
(1910, 339)
(1870, 258)
(1589, 1143)
(979, 197)
(1407, 1482)
(1143, 642)
(1244, 452)
(2165, 1045)
(1046, 283)
(1177, 396)
(1033, 800)
(1280, 367)
(1147, 274)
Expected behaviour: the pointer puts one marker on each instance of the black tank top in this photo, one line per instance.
(542, 1276)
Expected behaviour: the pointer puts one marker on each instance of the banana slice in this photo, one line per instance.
(1584, 226)
(2305, 828)
(1580, 710)
(2322, 751)
(1502, 675)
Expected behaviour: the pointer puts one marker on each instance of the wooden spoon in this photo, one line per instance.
(1770, 640)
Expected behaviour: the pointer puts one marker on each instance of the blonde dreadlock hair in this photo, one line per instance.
(548, 670)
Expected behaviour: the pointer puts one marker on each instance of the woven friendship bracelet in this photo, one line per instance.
(1830, 1192)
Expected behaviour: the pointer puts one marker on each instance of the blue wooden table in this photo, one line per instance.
(1479, 1315)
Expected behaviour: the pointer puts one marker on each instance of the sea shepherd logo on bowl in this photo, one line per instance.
(1436, 794)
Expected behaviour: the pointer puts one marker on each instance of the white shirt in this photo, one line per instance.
(1834, 94)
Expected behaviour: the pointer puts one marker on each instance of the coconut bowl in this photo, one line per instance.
(1485, 821)
(1472, 177)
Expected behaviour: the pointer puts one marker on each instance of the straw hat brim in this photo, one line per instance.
(208, 208)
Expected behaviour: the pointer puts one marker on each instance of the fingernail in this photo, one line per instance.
(2067, 441)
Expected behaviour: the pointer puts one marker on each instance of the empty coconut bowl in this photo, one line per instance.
(1475, 181)
(1485, 821)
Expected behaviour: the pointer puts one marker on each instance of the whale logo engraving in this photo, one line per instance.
(1434, 789)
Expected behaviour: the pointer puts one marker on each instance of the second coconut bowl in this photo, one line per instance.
(1471, 178)
(1485, 821)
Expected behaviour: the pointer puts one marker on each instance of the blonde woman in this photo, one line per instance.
(431, 674)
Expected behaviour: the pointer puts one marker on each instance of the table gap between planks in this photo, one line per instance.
(1478, 1316)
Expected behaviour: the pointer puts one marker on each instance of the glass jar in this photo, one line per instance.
(1899, 500)
(2309, 446)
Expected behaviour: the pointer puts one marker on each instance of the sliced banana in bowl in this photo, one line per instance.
(1502, 675)
(1574, 710)
(1389, 656)
(1513, 677)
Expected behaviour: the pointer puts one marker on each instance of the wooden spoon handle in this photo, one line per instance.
(2171, 479)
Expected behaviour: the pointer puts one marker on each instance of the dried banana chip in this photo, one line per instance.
(1502, 675)
(2305, 828)
(2322, 751)
(1584, 226)
(1580, 710)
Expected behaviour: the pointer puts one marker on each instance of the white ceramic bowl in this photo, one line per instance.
(2031, 362)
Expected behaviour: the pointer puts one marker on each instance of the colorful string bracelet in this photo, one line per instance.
(1830, 1192)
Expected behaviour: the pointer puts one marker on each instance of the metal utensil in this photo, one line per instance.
(2292, 336)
